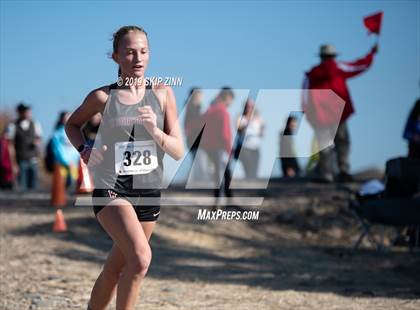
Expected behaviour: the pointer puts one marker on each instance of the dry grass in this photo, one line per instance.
(296, 256)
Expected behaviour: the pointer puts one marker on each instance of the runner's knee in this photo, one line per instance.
(139, 262)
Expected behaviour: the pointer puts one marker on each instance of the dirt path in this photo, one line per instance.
(296, 256)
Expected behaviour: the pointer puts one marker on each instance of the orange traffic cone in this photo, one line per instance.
(84, 181)
(59, 223)
(58, 190)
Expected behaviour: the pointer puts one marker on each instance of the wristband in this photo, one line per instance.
(83, 148)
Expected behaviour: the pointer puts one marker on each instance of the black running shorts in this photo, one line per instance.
(145, 212)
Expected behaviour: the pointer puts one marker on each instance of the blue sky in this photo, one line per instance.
(53, 53)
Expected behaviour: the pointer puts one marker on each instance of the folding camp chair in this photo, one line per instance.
(397, 206)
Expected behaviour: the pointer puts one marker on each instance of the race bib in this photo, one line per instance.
(137, 157)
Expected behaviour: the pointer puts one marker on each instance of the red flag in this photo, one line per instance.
(373, 22)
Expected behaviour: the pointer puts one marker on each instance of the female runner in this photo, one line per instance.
(139, 125)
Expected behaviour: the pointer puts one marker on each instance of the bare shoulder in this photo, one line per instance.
(99, 95)
(165, 95)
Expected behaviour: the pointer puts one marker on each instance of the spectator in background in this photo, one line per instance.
(192, 129)
(65, 155)
(217, 139)
(412, 131)
(6, 169)
(248, 140)
(192, 114)
(289, 163)
(323, 112)
(24, 135)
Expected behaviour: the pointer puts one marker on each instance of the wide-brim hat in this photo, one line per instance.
(327, 50)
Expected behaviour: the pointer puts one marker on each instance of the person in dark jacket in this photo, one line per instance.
(412, 131)
(289, 164)
(24, 135)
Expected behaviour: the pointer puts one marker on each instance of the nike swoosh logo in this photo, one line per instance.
(156, 214)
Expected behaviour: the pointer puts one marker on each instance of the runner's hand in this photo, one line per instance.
(148, 117)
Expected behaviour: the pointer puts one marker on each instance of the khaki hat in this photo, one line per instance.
(327, 50)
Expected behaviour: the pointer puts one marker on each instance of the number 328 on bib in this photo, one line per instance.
(137, 157)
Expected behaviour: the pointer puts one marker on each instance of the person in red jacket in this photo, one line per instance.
(6, 167)
(324, 113)
(217, 138)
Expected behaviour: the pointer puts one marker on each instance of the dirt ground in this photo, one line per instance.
(297, 255)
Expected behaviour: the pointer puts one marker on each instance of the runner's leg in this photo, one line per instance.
(106, 284)
(121, 223)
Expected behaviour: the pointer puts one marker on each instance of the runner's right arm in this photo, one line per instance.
(94, 102)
